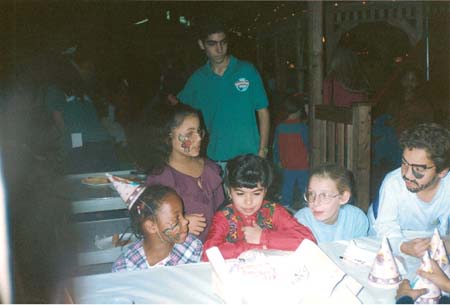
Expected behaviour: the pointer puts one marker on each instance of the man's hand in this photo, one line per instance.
(404, 289)
(197, 223)
(415, 247)
(437, 277)
(252, 234)
(263, 152)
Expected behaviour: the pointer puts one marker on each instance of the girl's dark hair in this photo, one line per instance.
(152, 148)
(342, 176)
(147, 206)
(433, 138)
(248, 171)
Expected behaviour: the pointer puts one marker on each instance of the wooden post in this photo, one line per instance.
(315, 56)
(361, 122)
(300, 46)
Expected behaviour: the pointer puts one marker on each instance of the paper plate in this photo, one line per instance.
(96, 181)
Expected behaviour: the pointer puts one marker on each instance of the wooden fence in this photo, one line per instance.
(343, 137)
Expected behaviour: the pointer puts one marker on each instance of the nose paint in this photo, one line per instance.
(185, 143)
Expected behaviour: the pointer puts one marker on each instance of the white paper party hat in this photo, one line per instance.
(128, 190)
(434, 293)
(384, 272)
(434, 243)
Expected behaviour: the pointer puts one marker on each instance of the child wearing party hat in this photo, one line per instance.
(157, 219)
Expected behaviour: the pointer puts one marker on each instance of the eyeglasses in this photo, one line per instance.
(418, 170)
(188, 136)
(310, 197)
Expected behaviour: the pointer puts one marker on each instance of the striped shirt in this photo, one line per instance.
(134, 257)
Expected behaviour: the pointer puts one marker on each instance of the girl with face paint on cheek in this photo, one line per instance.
(173, 157)
(157, 218)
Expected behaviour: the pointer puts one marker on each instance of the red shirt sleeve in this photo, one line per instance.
(287, 233)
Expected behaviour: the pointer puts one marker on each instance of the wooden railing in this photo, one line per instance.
(343, 137)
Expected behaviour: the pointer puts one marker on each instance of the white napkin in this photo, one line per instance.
(361, 256)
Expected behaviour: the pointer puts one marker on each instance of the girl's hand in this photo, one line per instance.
(252, 234)
(437, 277)
(197, 223)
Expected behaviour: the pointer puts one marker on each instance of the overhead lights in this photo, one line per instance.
(141, 21)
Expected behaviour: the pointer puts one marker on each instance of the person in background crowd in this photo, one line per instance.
(87, 145)
(290, 148)
(249, 221)
(228, 91)
(346, 82)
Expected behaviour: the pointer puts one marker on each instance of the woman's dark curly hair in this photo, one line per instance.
(248, 171)
(154, 146)
(433, 138)
(147, 206)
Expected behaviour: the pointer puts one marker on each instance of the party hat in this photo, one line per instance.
(128, 190)
(384, 272)
(434, 293)
(434, 243)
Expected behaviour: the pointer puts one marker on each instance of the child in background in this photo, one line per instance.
(250, 222)
(328, 214)
(290, 148)
(157, 218)
(171, 155)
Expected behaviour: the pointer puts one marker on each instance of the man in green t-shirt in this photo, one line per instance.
(228, 92)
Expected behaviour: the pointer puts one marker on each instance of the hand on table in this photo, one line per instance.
(197, 223)
(415, 247)
(252, 234)
(404, 289)
(438, 277)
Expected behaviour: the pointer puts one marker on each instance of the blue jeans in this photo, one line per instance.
(290, 178)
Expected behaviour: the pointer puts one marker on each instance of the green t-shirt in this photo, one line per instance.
(79, 117)
(228, 104)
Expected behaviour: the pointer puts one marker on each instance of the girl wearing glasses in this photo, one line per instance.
(328, 214)
(172, 156)
(249, 221)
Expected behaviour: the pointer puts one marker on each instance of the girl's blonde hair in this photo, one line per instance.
(340, 175)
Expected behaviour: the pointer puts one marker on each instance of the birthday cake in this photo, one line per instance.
(273, 276)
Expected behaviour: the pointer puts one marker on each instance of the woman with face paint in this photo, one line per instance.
(158, 221)
(173, 158)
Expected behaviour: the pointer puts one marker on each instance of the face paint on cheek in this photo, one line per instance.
(173, 234)
(185, 143)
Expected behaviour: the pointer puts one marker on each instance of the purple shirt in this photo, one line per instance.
(204, 200)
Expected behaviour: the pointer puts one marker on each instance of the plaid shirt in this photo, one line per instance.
(134, 257)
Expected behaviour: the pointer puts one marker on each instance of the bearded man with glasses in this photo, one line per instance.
(415, 198)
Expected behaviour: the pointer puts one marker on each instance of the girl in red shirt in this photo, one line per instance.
(249, 221)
